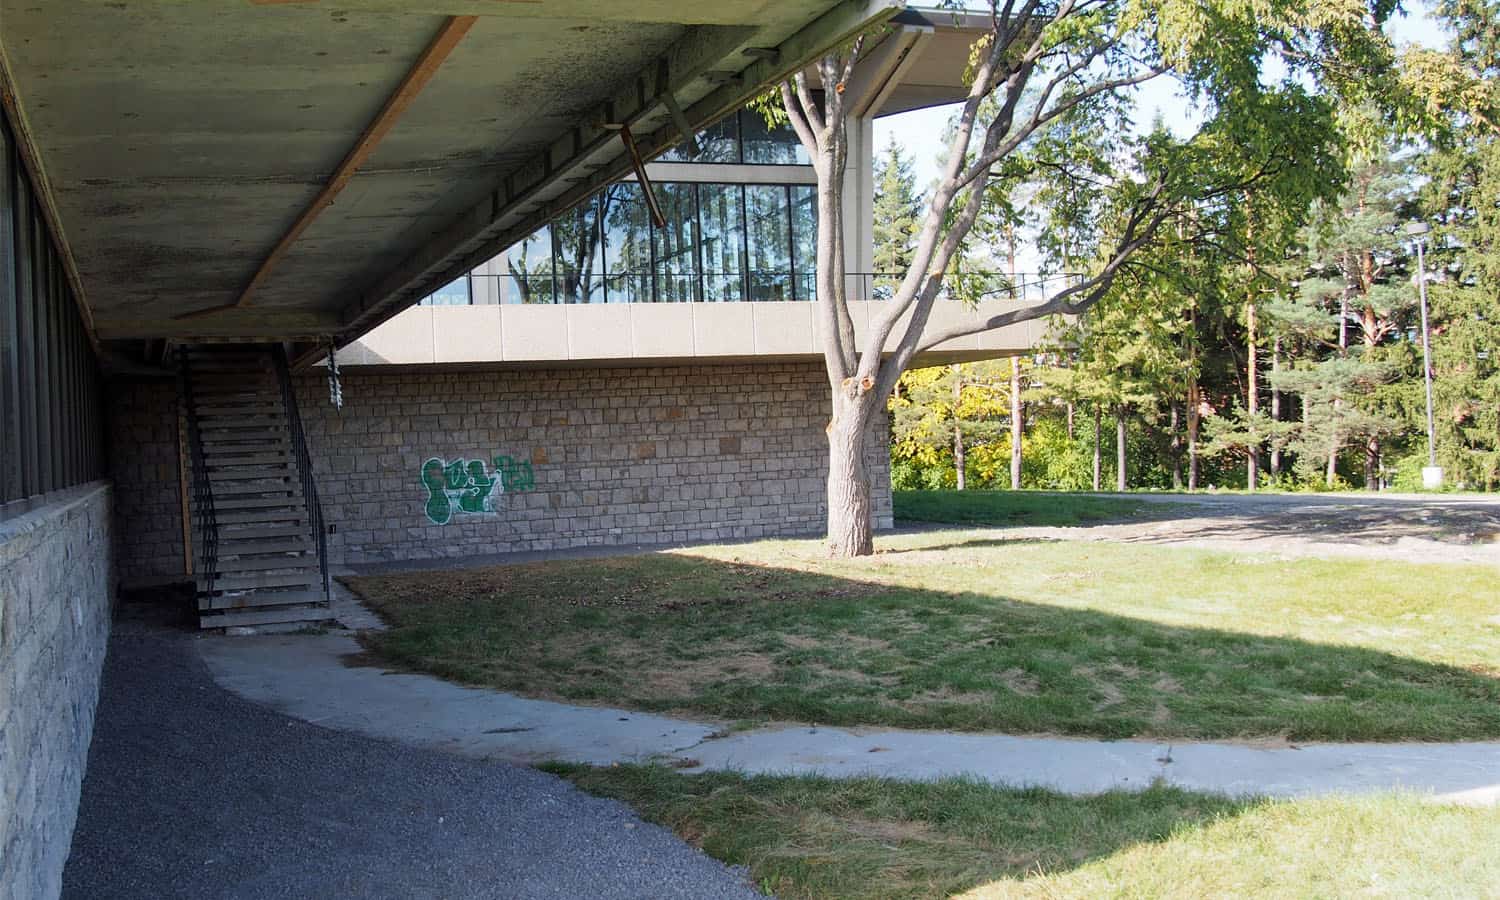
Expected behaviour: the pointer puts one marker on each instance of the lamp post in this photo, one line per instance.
(1432, 475)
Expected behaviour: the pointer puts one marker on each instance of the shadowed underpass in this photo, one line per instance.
(194, 793)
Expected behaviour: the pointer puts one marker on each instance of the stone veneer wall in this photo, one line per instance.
(143, 463)
(56, 598)
(618, 456)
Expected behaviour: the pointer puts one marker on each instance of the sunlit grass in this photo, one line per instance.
(805, 837)
(961, 630)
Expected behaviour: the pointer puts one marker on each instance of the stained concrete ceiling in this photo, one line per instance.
(181, 141)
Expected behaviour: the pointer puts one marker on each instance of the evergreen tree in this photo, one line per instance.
(1460, 91)
(898, 211)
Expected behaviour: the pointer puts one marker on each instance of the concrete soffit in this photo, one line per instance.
(31, 161)
(707, 73)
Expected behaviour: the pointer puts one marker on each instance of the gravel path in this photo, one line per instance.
(192, 792)
(1462, 528)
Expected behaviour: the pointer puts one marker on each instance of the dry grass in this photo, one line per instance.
(971, 632)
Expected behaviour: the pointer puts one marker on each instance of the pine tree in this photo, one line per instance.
(898, 211)
(1460, 87)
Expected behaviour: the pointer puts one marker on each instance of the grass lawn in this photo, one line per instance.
(961, 630)
(819, 838)
(1042, 508)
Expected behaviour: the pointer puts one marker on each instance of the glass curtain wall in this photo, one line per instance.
(722, 212)
(722, 242)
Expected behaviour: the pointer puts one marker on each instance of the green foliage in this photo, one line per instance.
(898, 210)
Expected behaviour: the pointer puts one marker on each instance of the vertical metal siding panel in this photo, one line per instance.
(10, 368)
(70, 364)
(42, 315)
(26, 337)
(75, 408)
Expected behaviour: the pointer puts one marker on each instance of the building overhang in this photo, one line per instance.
(189, 150)
(591, 335)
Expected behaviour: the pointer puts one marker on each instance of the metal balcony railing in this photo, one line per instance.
(756, 285)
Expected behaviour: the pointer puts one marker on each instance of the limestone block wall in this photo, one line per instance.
(423, 464)
(55, 603)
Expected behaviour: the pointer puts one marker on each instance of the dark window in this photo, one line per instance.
(805, 240)
(627, 243)
(722, 210)
(718, 143)
(767, 145)
(575, 241)
(529, 267)
(769, 242)
(676, 245)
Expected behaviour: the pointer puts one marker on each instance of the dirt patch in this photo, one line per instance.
(1021, 682)
(860, 642)
(685, 678)
(827, 673)
(893, 831)
(947, 695)
(1166, 684)
(1109, 692)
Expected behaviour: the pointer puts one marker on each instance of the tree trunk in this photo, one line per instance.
(1098, 415)
(1175, 450)
(850, 531)
(959, 464)
(1275, 407)
(1252, 397)
(1070, 421)
(1016, 424)
(1120, 448)
(1338, 402)
(1192, 432)
(1372, 464)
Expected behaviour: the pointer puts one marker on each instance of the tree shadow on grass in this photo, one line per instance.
(809, 836)
(742, 641)
(974, 543)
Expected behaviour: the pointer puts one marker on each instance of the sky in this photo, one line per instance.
(921, 132)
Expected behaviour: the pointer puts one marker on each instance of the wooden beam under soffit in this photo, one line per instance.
(416, 78)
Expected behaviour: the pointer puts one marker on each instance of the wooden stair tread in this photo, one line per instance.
(249, 582)
(241, 517)
(248, 503)
(246, 547)
(254, 532)
(233, 565)
(232, 619)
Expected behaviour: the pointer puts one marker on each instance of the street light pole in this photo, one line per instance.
(1432, 476)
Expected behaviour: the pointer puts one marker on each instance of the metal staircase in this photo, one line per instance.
(259, 551)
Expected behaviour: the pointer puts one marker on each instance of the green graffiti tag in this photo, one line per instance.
(468, 486)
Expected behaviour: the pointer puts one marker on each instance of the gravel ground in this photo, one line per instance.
(1462, 528)
(193, 792)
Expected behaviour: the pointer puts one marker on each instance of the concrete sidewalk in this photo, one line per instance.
(306, 676)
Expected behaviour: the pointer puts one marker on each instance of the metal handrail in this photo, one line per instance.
(751, 286)
(204, 515)
(304, 467)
